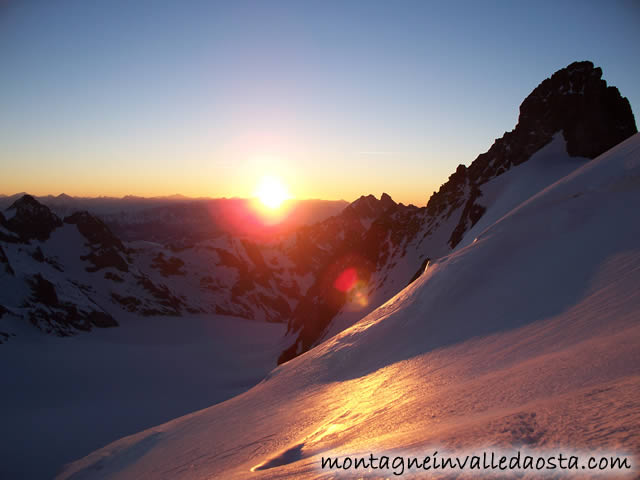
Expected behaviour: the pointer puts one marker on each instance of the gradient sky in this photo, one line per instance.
(337, 98)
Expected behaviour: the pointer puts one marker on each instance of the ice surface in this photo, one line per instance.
(65, 397)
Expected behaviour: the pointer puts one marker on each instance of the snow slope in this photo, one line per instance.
(64, 397)
(499, 196)
(528, 336)
(505, 192)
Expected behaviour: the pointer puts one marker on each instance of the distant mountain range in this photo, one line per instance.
(69, 264)
(179, 219)
(518, 338)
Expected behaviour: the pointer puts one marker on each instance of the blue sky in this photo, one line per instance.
(338, 99)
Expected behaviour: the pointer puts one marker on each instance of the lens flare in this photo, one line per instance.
(346, 280)
(358, 295)
(356, 289)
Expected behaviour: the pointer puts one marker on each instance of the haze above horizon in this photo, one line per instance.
(336, 99)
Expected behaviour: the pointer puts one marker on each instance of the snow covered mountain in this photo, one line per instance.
(68, 276)
(485, 285)
(528, 336)
(569, 118)
(182, 220)
(186, 256)
(73, 274)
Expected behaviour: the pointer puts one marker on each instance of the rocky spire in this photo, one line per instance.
(576, 101)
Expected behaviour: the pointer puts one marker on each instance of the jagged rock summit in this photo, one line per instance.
(370, 207)
(29, 219)
(575, 103)
(592, 116)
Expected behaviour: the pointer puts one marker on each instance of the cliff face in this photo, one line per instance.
(576, 101)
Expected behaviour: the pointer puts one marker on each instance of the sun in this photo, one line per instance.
(272, 192)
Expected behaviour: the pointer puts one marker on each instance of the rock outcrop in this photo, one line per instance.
(576, 101)
(29, 219)
(106, 249)
(592, 116)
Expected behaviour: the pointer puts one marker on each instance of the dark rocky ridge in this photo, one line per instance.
(576, 101)
(51, 315)
(370, 235)
(49, 306)
(31, 219)
(94, 230)
(338, 243)
(592, 116)
(106, 249)
(4, 263)
(369, 206)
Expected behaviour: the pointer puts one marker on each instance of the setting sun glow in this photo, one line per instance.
(271, 192)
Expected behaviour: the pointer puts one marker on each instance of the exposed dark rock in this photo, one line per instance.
(470, 216)
(387, 202)
(369, 206)
(4, 236)
(228, 259)
(323, 301)
(592, 116)
(37, 255)
(277, 304)
(254, 254)
(43, 291)
(171, 304)
(109, 258)
(291, 352)
(31, 219)
(95, 230)
(339, 243)
(101, 319)
(129, 303)
(113, 277)
(51, 315)
(3, 336)
(168, 266)
(575, 101)
(243, 285)
(451, 193)
(106, 249)
(4, 263)
(420, 271)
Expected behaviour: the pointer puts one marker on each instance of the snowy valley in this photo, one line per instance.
(504, 313)
(528, 336)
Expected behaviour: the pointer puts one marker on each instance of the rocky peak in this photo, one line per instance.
(94, 230)
(26, 203)
(451, 193)
(364, 201)
(370, 207)
(592, 116)
(106, 249)
(386, 201)
(576, 101)
(30, 219)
